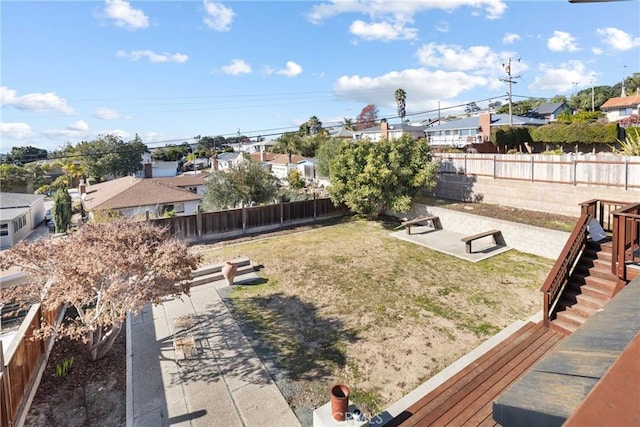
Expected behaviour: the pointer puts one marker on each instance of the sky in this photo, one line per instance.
(171, 71)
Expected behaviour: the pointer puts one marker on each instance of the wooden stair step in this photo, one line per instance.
(562, 327)
(571, 317)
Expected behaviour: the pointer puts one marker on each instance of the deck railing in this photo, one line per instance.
(562, 269)
(622, 220)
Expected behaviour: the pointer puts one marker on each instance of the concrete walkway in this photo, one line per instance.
(223, 384)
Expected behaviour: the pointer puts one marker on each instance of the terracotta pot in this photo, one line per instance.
(339, 402)
(229, 271)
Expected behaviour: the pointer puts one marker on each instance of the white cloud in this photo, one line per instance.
(477, 59)
(379, 90)
(124, 15)
(237, 66)
(383, 31)
(390, 20)
(618, 39)
(443, 27)
(510, 38)
(597, 51)
(16, 130)
(218, 17)
(34, 101)
(154, 58)
(292, 69)
(104, 113)
(79, 126)
(562, 42)
(561, 79)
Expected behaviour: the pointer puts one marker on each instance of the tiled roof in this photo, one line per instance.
(184, 180)
(131, 192)
(277, 158)
(621, 101)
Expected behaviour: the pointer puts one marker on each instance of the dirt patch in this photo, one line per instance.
(87, 394)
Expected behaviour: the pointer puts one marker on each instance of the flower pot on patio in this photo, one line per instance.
(229, 271)
(339, 402)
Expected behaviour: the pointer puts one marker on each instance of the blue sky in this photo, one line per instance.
(169, 71)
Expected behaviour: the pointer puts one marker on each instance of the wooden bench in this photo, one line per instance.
(496, 234)
(433, 220)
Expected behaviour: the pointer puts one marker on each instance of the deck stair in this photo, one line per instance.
(589, 288)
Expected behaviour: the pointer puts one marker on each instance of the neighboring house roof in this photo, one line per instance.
(496, 120)
(228, 157)
(131, 192)
(184, 180)
(8, 214)
(405, 127)
(340, 132)
(621, 102)
(18, 200)
(548, 109)
(277, 158)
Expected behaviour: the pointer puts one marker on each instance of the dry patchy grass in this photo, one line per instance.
(349, 303)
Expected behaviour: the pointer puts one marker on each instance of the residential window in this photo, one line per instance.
(626, 111)
(4, 229)
(178, 207)
(19, 223)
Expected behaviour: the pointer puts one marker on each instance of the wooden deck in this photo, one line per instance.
(467, 397)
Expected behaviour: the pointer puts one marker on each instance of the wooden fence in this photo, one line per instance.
(571, 169)
(22, 364)
(249, 219)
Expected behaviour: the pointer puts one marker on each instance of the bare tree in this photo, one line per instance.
(104, 271)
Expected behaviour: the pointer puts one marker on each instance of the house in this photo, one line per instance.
(225, 161)
(390, 131)
(281, 165)
(137, 197)
(19, 214)
(255, 147)
(340, 132)
(621, 107)
(476, 130)
(549, 111)
(190, 181)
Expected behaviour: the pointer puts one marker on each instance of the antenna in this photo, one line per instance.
(511, 80)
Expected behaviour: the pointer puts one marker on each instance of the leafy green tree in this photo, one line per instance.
(348, 124)
(471, 107)
(288, 143)
(313, 126)
(212, 144)
(246, 183)
(171, 153)
(23, 155)
(296, 182)
(61, 210)
(401, 100)
(110, 156)
(372, 177)
(12, 176)
(325, 153)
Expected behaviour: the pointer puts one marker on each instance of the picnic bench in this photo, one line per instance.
(433, 220)
(496, 234)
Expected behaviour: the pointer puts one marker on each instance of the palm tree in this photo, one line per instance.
(348, 123)
(401, 97)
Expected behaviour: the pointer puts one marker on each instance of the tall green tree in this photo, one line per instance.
(12, 176)
(22, 155)
(62, 210)
(348, 124)
(326, 152)
(372, 177)
(111, 156)
(247, 183)
(313, 126)
(401, 99)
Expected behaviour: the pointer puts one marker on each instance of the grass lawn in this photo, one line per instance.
(348, 303)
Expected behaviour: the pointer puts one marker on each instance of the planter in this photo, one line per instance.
(339, 402)
(229, 271)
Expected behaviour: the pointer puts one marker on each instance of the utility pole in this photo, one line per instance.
(511, 80)
(593, 96)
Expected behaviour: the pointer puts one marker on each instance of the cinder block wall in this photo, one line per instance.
(561, 199)
(526, 238)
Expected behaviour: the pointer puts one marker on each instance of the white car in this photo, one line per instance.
(48, 215)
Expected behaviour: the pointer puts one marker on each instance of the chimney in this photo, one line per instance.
(485, 124)
(148, 170)
(263, 156)
(384, 129)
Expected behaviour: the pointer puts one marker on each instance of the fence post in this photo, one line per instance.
(199, 221)
(532, 165)
(626, 173)
(315, 210)
(495, 165)
(281, 212)
(465, 163)
(575, 171)
(244, 218)
(146, 215)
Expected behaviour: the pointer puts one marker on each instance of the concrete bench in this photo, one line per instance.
(433, 220)
(496, 234)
